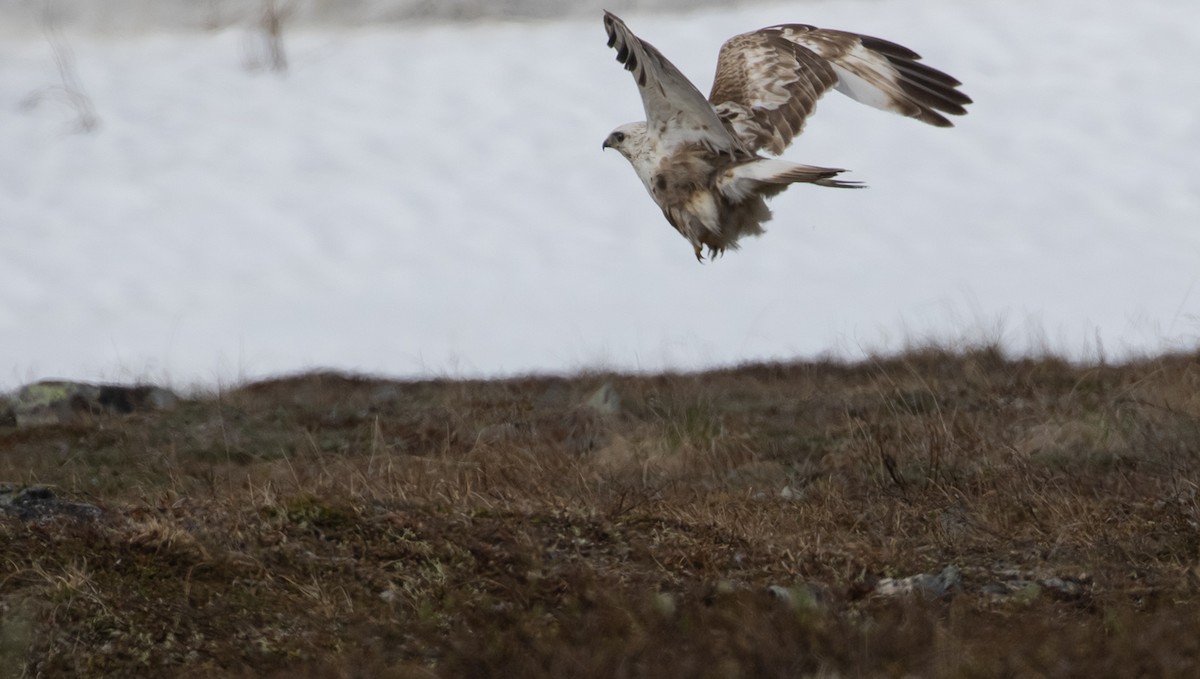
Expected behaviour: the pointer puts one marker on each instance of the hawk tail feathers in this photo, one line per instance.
(768, 176)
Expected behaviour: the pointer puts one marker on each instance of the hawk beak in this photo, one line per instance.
(605, 145)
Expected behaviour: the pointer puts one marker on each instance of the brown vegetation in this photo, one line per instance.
(726, 524)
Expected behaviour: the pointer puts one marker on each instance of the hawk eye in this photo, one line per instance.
(620, 136)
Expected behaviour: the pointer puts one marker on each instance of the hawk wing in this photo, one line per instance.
(675, 109)
(768, 81)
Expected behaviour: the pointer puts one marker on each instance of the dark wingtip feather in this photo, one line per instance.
(610, 28)
(931, 90)
(921, 71)
(938, 120)
(888, 47)
(840, 184)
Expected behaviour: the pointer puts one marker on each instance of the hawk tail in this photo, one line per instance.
(769, 176)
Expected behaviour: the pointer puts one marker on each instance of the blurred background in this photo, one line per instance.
(202, 192)
(124, 15)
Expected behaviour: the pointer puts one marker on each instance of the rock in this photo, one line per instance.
(1064, 589)
(934, 586)
(664, 604)
(58, 402)
(995, 589)
(605, 401)
(780, 592)
(801, 597)
(1027, 586)
(37, 503)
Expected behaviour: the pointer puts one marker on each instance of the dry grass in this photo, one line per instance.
(334, 526)
(70, 93)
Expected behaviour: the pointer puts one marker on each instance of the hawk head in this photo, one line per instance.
(626, 139)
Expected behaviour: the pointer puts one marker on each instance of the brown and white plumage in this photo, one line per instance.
(699, 157)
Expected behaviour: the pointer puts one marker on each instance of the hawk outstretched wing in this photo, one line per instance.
(768, 81)
(675, 109)
(698, 157)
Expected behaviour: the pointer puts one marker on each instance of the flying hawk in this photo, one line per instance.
(699, 158)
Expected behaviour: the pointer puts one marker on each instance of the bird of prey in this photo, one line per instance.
(700, 158)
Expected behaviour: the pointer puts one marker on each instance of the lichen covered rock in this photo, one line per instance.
(60, 402)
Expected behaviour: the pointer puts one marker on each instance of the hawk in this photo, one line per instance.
(700, 158)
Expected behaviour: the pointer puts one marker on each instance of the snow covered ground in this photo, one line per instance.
(434, 200)
(124, 16)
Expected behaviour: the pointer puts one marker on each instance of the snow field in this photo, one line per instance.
(434, 200)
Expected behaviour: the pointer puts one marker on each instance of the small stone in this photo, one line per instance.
(605, 401)
(1063, 589)
(726, 587)
(995, 589)
(664, 603)
(948, 581)
(800, 597)
(781, 593)
(1028, 592)
(36, 503)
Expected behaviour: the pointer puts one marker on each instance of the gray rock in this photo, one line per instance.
(995, 589)
(39, 503)
(664, 604)
(1028, 586)
(605, 401)
(59, 402)
(780, 592)
(934, 586)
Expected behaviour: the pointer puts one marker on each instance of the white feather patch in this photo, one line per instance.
(704, 207)
(863, 90)
(739, 182)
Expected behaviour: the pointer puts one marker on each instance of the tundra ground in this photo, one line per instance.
(751, 522)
